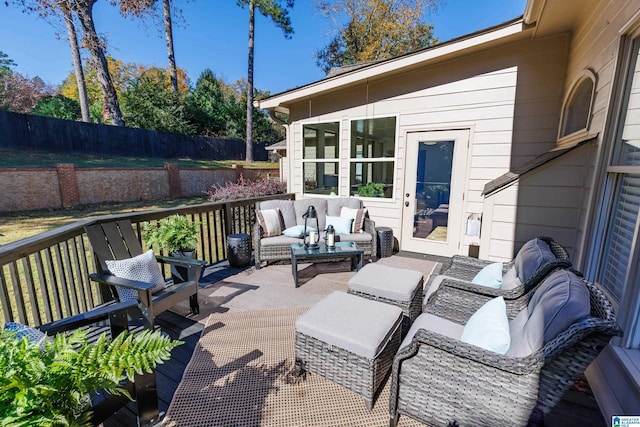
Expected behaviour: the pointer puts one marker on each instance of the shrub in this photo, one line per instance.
(175, 233)
(245, 189)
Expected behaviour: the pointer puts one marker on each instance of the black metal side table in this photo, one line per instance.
(239, 249)
(385, 241)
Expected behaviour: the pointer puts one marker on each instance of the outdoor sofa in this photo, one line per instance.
(275, 244)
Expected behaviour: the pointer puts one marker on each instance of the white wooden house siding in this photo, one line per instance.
(509, 97)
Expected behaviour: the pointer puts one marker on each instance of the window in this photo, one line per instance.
(372, 157)
(320, 158)
(576, 112)
(622, 201)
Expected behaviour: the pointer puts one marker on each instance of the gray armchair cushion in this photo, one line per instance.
(532, 255)
(561, 300)
(436, 324)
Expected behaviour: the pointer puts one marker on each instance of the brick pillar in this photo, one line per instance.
(68, 184)
(175, 185)
(239, 172)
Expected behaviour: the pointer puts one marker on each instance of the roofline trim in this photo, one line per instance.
(485, 36)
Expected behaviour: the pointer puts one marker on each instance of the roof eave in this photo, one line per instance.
(281, 101)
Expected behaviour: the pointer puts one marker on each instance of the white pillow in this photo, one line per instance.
(271, 221)
(341, 225)
(488, 327)
(143, 268)
(357, 215)
(490, 275)
(297, 231)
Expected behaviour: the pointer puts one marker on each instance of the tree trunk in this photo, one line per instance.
(249, 153)
(173, 70)
(84, 9)
(77, 62)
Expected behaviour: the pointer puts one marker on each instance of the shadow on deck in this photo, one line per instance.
(578, 406)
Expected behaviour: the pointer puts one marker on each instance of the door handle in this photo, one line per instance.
(406, 204)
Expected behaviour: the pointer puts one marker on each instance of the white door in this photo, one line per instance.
(434, 182)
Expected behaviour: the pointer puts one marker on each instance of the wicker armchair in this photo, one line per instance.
(528, 267)
(438, 379)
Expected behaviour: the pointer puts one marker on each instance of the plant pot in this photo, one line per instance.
(181, 274)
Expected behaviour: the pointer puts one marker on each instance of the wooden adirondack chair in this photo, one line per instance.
(117, 241)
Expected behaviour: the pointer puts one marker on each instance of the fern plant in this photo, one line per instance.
(50, 384)
(175, 233)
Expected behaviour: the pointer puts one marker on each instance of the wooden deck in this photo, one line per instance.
(578, 407)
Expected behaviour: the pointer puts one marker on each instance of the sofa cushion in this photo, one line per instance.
(488, 327)
(271, 221)
(357, 215)
(354, 237)
(298, 231)
(286, 209)
(320, 205)
(341, 225)
(355, 324)
(280, 241)
(530, 257)
(335, 204)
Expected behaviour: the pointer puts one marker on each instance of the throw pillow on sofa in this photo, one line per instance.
(341, 225)
(358, 218)
(298, 231)
(271, 221)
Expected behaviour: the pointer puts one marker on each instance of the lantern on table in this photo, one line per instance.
(330, 236)
(311, 237)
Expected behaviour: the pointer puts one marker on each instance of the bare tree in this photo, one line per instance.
(77, 60)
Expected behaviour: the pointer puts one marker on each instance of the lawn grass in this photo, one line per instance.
(12, 159)
(19, 225)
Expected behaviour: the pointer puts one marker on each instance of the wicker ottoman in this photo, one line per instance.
(350, 341)
(395, 286)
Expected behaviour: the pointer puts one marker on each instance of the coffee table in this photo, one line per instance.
(322, 253)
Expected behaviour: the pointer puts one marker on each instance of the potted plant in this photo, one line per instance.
(50, 382)
(175, 234)
(371, 189)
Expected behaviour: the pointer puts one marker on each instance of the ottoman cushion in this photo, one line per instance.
(387, 282)
(355, 324)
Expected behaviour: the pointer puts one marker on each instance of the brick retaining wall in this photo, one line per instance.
(67, 186)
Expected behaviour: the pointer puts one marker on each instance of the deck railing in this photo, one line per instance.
(46, 277)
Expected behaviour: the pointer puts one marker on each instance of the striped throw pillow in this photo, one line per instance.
(271, 221)
(358, 215)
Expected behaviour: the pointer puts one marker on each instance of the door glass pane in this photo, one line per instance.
(620, 233)
(433, 183)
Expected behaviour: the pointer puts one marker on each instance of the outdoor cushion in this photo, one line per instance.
(531, 256)
(320, 206)
(335, 204)
(396, 284)
(286, 209)
(436, 324)
(143, 268)
(355, 324)
(280, 240)
(561, 300)
(488, 327)
(358, 215)
(271, 221)
(435, 284)
(354, 237)
(298, 231)
(510, 279)
(341, 225)
(33, 335)
(490, 275)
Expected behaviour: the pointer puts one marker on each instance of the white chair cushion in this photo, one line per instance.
(143, 268)
(355, 324)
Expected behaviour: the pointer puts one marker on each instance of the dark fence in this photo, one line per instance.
(25, 132)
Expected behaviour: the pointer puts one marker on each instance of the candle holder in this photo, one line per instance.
(311, 238)
(330, 237)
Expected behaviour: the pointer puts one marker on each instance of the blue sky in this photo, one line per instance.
(214, 36)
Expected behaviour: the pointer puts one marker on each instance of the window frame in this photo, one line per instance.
(564, 139)
(393, 159)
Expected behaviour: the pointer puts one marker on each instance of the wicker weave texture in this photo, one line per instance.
(410, 309)
(359, 374)
(437, 379)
